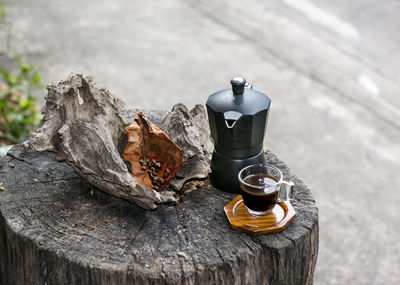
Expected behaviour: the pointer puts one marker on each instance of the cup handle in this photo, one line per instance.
(289, 191)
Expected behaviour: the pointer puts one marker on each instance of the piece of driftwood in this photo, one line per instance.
(55, 228)
(153, 156)
(190, 130)
(84, 125)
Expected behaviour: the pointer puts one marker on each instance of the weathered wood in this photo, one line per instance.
(190, 130)
(57, 229)
(85, 126)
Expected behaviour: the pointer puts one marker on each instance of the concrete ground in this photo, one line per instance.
(331, 69)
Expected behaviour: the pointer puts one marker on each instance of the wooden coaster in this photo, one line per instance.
(240, 219)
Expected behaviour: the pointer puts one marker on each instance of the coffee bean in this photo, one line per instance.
(156, 188)
(143, 167)
(158, 165)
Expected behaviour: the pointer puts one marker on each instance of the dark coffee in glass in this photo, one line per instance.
(260, 188)
(257, 198)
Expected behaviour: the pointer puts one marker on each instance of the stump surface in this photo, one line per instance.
(57, 229)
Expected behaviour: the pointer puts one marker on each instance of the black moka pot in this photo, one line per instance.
(238, 121)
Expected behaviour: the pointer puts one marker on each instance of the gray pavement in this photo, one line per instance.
(331, 69)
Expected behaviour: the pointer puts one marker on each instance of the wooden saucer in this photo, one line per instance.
(240, 219)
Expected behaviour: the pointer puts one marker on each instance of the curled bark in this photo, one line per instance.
(153, 156)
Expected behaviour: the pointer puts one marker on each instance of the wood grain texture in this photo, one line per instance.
(276, 221)
(57, 229)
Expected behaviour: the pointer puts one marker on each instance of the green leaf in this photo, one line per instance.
(10, 79)
(36, 78)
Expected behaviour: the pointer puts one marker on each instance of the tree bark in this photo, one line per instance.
(57, 229)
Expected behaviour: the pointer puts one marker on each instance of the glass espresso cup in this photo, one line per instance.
(260, 186)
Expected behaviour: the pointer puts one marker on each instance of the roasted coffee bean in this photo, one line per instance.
(144, 167)
(158, 165)
(165, 176)
(155, 173)
(156, 188)
(161, 181)
(154, 161)
(141, 161)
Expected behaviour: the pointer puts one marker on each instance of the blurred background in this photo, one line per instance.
(331, 68)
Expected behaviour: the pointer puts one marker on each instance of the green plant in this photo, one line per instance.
(2, 11)
(18, 112)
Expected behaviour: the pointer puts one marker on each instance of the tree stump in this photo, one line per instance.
(57, 229)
